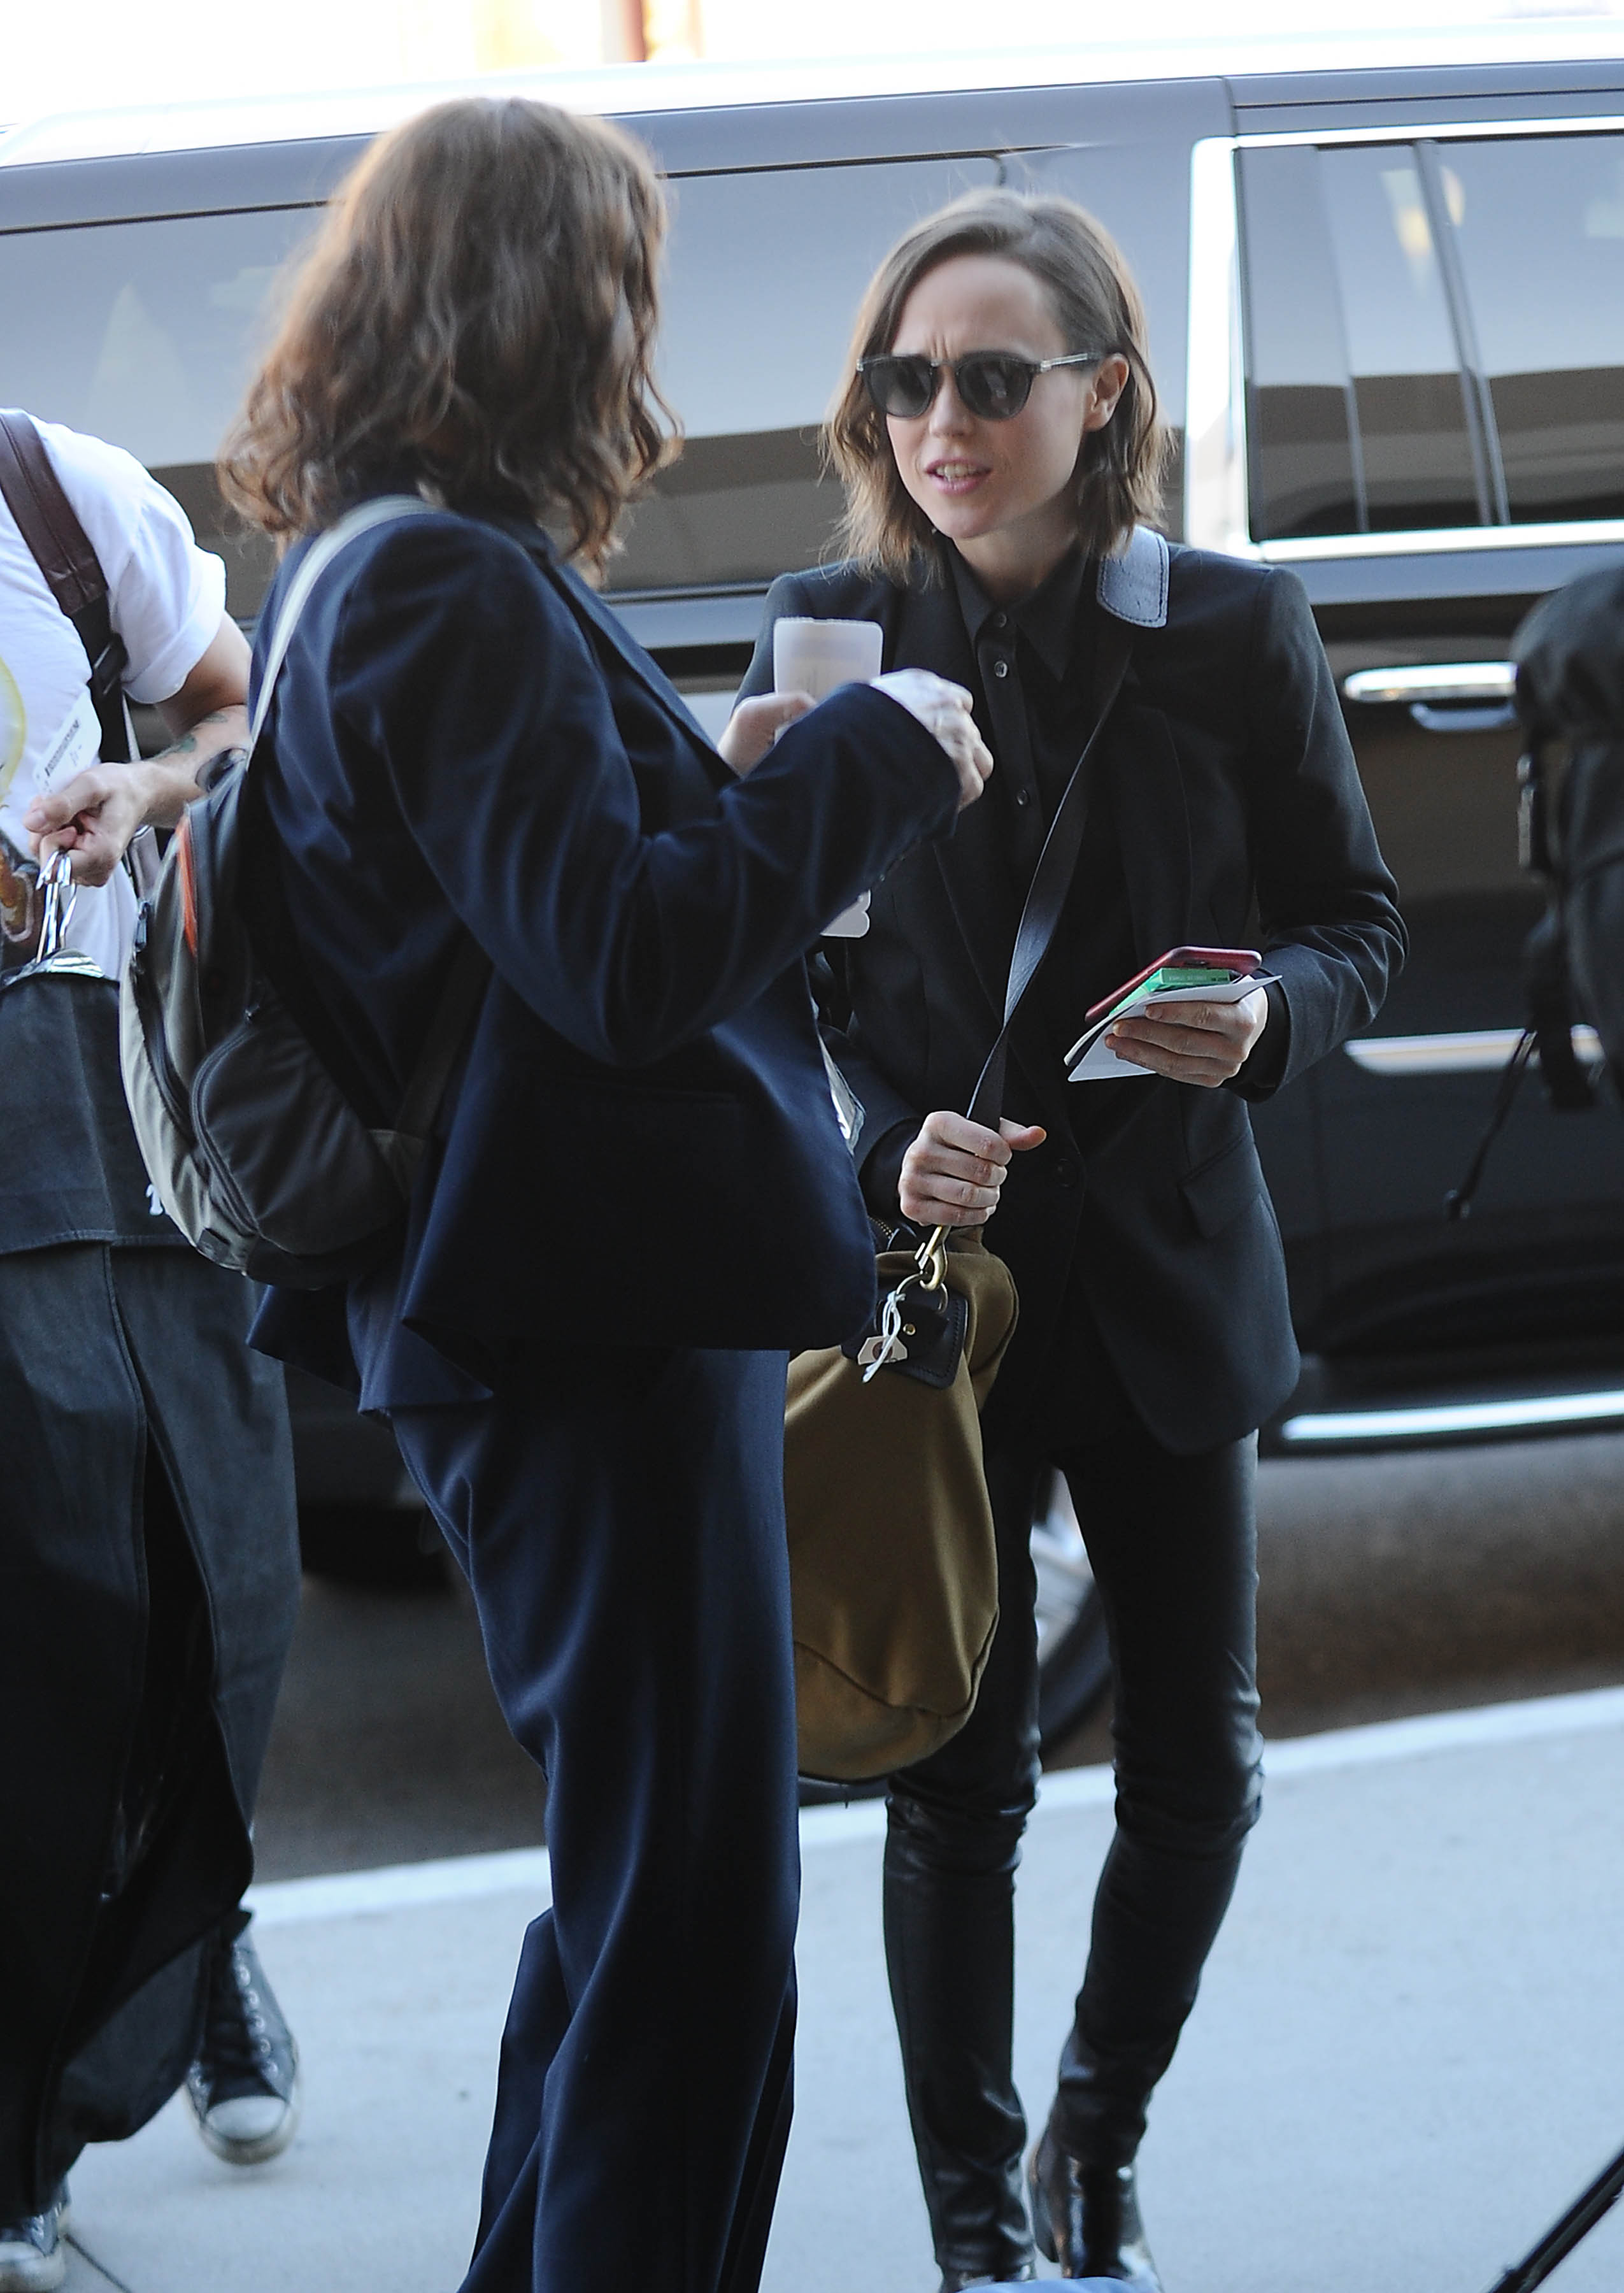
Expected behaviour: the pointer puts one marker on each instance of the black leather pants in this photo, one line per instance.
(1172, 1540)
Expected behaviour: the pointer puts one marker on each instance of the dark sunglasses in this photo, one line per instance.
(993, 385)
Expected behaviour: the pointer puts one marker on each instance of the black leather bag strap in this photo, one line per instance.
(1052, 877)
(62, 550)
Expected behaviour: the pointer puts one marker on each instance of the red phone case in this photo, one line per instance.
(1238, 959)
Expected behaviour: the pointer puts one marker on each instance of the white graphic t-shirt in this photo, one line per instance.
(165, 596)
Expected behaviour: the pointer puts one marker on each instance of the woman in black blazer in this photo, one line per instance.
(1000, 448)
(634, 1200)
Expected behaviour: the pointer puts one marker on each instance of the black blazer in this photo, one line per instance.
(640, 1147)
(1239, 809)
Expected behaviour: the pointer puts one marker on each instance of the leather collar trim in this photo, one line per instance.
(1133, 583)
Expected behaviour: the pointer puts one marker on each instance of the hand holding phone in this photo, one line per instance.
(1223, 963)
(1137, 1030)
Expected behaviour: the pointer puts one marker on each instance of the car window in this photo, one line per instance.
(152, 325)
(1434, 332)
(151, 336)
(1401, 345)
(1352, 226)
(1306, 474)
(1540, 224)
(764, 274)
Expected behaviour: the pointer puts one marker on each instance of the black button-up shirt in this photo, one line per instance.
(1035, 661)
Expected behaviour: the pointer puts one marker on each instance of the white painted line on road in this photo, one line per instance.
(526, 1871)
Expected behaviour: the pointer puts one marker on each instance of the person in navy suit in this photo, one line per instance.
(637, 1198)
(998, 439)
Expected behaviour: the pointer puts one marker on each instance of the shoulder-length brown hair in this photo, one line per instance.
(477, 315)
(1097, 307)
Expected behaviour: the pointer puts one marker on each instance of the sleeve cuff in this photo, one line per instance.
(882, 1171)
(1266, 1070)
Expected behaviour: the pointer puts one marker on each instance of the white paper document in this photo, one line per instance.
(1089, 1061)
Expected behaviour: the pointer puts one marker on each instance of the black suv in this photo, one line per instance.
(1387, 323)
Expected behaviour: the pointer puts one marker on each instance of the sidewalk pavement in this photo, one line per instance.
(1408, 2056)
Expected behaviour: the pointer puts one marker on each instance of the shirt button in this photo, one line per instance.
(1067, 1171)
(1000, 620)
(1000, 667)
(1024, 796)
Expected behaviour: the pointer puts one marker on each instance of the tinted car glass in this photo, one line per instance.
(1354, 223)
(1539, 225)
(157, 323)
(154, 327)
(1434, 332)
(1306, 475)
(758, 317)
(1407, 386)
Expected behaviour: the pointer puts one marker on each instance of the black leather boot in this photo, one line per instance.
(1086, 2217)
(950, 1949)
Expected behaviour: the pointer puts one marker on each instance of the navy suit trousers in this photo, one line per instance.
(620, 1516)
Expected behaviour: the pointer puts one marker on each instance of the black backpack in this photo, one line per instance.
(1570, 656)
(255, 1151)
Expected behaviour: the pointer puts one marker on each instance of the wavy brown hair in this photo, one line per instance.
(1096, 306)
(477, 316)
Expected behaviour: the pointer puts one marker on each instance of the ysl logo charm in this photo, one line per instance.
(888, 1347)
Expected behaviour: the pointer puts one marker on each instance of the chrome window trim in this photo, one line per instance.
(1431, 1421)
(1435, 540)
(1218, 507)
(1436, 682)
(1481, 1051)
(1216, 511)
(1460, 131)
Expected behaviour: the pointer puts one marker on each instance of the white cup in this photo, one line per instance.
(815, 657)
(818, 657)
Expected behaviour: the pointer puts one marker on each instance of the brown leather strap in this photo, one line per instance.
(45, 517)
(62, 550)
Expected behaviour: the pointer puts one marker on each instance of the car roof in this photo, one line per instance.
(629, 90)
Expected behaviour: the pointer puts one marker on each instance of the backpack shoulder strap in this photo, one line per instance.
(319, 555)
(464, 984)
(62, 550)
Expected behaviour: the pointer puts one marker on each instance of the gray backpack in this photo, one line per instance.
(253, 1147)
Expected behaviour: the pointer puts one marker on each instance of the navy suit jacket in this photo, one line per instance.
(1238, 811)
(640, 1148)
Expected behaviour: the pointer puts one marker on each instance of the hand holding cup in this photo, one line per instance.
(943, 708)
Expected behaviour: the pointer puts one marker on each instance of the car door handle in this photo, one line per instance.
(1480, 1052)
(1463, 696)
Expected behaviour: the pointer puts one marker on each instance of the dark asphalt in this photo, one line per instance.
(1390, 1584)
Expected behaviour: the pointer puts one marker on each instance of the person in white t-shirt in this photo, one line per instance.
(148, 1535)
(186, 656)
